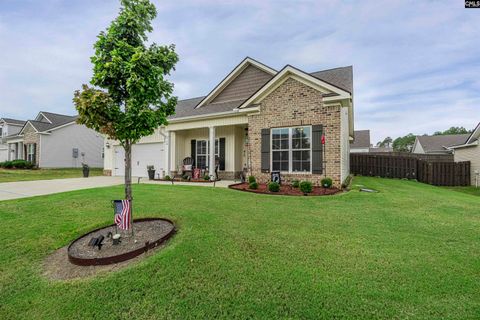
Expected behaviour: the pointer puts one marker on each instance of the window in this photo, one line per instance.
(203, 151)
(31, 153)
(291, 149)
(1, 132)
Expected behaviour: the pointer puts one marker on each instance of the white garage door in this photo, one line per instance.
(143, 155)
(3, 155)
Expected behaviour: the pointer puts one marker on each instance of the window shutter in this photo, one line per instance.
(221, 153)
(193, 151)
(317, 149)
(265, 160)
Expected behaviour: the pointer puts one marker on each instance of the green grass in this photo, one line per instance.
(468, 190)
(409, 251)
(10, 175)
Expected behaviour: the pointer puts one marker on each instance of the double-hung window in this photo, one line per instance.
(31, 153)
(291, 149)
(203, 152)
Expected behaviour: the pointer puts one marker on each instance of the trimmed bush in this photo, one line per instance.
(327, 182)
(7, 165)
(253, 185)
(274, 186)
(17, 164)
(295, 183)
(306, 186)
(167, 178)
(206, 177)
(251, 179)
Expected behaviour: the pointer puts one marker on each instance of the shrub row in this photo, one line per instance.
(17, 164)
(305, 186)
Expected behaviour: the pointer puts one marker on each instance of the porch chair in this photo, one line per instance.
(187, 166)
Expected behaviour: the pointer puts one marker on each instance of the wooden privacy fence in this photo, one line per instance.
(407, 167)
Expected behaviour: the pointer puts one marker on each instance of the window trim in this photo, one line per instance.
(207, 155)
(290, 150)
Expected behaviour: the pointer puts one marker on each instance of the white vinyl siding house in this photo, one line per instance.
(57, 147)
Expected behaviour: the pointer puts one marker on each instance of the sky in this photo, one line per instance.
(416, 63)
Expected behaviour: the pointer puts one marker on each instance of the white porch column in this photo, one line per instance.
(172, 145)
(211, 163)
(20, 150)
(167, 152)
(9, 152)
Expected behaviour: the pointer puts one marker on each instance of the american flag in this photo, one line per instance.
(122, 214)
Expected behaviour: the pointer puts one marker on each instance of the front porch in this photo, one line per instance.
(226, 142)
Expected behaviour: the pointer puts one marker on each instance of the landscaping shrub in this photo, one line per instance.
(206, 177)
(251, 179)
(327, 182)
(17, 164)
(295, 183)
(253, 185)
(306, 186)
(167, 178)
(7, 164)
(274, 186)
(185, 177)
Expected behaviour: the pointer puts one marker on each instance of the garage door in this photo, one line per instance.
(143, 155)
(3, 155)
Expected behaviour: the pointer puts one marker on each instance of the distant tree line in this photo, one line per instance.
(405, 143)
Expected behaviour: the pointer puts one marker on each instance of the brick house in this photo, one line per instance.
(255, 121)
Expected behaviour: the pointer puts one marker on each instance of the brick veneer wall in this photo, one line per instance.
(294, 104)
(31, 136)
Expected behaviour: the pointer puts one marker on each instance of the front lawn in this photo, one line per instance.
(409, 251)
(10, 175)
(468, 190)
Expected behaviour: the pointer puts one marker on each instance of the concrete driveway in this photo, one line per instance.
(24, 189)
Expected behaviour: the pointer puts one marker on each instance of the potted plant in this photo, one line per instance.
(86, 170)
(151, 172)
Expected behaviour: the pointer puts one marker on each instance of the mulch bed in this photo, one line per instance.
(287, 190)
(57, 266)
(182, 180)
(143, 231)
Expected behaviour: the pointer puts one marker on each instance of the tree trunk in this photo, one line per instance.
(128, 170)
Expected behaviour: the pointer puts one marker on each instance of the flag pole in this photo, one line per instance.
(131, 217)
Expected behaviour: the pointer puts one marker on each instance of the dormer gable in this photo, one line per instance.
(244, 80)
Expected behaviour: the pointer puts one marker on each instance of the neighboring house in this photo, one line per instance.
(470, 151)
(8, 127)
(256, 120)
(361, 141)
(438, 144)
(56, 141)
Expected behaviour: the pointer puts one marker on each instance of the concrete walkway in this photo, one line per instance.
(24, 189)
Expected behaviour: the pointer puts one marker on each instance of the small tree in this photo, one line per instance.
(130, 97)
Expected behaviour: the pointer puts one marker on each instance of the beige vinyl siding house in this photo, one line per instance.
(470, 151)
(255, 121)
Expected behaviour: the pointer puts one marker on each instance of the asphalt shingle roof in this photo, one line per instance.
(361, 139)
(56, 119)
(438, 143)
(340, 77)
(13, 121)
